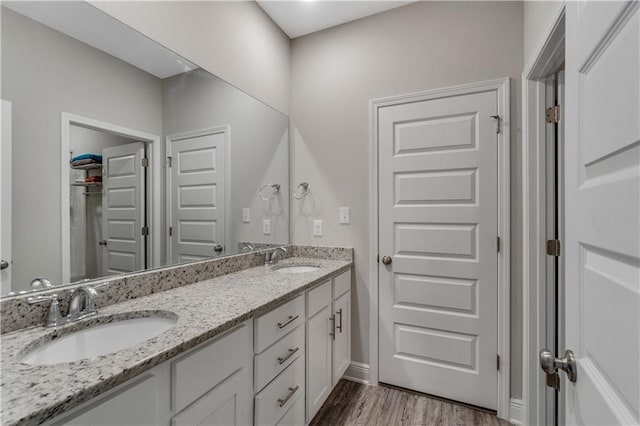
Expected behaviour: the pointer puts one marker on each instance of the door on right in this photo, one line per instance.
(438, 229)
(602, 193)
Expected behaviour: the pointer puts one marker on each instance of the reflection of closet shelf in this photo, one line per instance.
(88, 166)
(87, 184)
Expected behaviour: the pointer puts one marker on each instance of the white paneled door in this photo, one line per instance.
(197, 196)
(123, 209)
(602, 187)
(438, 227)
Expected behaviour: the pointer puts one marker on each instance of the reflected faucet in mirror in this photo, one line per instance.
(40, 283)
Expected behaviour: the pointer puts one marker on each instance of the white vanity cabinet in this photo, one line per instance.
(279, 363)
(274, 370)
(328, 339)
(211, 384)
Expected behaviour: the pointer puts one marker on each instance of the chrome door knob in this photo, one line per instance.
(102, 242)
(218, 248)
(386, 260)
(4, 264)
(550, 364)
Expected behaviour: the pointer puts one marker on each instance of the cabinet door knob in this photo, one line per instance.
(386, 260)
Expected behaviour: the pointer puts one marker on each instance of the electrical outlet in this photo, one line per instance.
(246, 215)
(345, 215)
(266, 226)
(317, 228)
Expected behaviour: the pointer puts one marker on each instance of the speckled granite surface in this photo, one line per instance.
(17, 314)
(32, 394)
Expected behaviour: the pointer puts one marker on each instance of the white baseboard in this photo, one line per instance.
(516, 411)
(358, 372)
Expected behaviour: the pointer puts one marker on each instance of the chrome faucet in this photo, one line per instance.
(271, 257)
(54, 316)
(82, 303)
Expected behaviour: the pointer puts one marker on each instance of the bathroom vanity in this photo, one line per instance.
(264, 345)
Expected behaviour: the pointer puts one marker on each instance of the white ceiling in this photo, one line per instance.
(90, 25)
(297, 18)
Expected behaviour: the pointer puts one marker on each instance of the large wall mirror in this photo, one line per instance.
(117, 155)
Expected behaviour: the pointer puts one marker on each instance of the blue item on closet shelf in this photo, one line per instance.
(95, 157)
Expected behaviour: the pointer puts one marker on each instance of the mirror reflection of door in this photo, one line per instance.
(123, 216)
(197, 196)
(107, 204)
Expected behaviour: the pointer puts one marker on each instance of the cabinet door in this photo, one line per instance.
(318, 360)
(229, 403)
(342, 341)
(143, 401)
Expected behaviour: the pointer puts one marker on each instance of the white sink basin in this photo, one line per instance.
(97, 340)
(295, 269)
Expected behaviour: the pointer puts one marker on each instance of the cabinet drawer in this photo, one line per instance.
(200, 370)
(275, 324)
(341, 284)
(318, 298)
(277, 357)
(280, 395)
(295, 416)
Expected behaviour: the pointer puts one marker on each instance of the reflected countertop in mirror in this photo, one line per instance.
(123, 156)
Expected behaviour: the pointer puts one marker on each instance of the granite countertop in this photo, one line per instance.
(33, 394)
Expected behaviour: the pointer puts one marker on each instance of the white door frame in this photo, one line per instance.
(226, 130)
(154, 246)
(546, 59)
(501, 87)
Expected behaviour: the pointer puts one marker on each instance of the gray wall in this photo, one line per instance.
(537, 18)
(236, 41)
(336, 72)
(43, 74)
(259, 147)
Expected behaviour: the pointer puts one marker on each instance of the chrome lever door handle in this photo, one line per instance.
(550, 364)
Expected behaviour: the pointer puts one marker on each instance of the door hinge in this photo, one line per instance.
(170, 230)
(169, 161)
(498, 244)
(497, 118)
(145, 162)
(145, 231)
(498, 362)
(553, 114)
(553, 247)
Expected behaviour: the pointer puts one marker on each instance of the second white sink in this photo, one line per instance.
(295, 269)
(97, 340)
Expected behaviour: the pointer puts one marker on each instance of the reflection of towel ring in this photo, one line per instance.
(302, 190)
(269, 191)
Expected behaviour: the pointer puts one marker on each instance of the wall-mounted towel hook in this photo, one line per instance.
(269, 191)
(302, 190)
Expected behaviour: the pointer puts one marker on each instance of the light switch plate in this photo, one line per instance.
(246, 215)
(345, 215)
(266, 226)
(317, 228)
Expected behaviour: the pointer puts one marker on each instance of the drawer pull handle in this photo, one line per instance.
(284, 400)
(287, 322)
(283, 359)
(339, 327)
